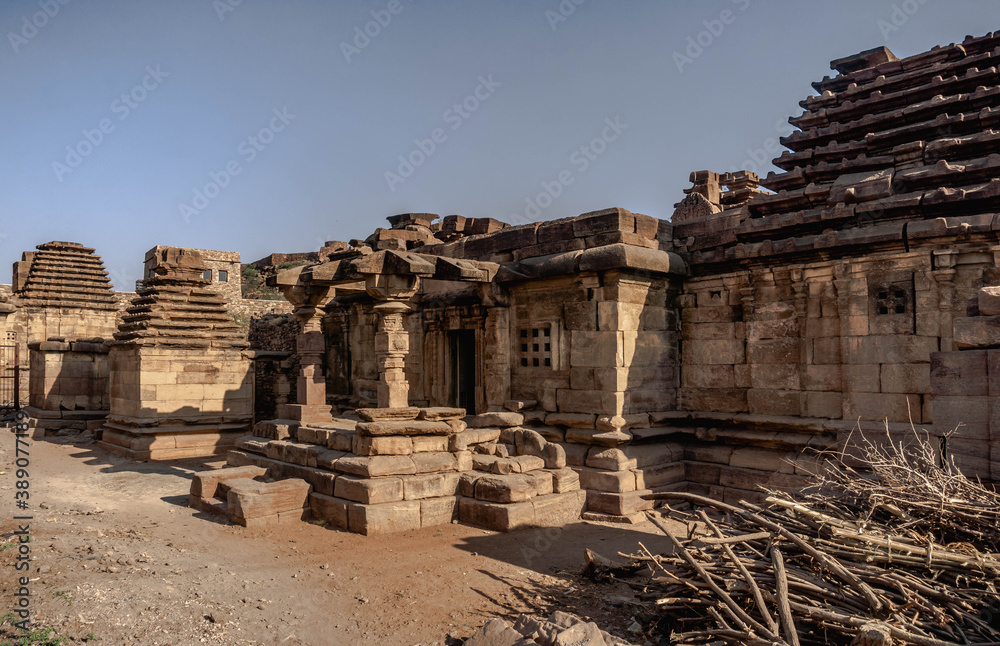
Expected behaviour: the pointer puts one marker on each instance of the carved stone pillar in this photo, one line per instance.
(392, 342)
(944, 276)
(310, 346)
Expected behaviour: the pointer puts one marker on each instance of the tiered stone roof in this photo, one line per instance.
(176, 309)
(885, 143)
(66, 274)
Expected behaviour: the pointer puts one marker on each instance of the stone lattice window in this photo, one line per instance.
(892, 299)
(535, 347)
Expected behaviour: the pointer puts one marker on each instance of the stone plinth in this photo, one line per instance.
(68, 385)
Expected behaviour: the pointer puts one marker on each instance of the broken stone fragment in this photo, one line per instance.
(989, 301)
(404, 427)
(382, 414)
(441, 413)
(501, 419)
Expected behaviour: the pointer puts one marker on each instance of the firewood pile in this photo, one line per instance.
(905, 552)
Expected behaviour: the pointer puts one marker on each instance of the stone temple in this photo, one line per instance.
(453, 368)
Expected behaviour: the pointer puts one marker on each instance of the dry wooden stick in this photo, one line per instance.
(781, 583)
(771, 623)
(722, 594)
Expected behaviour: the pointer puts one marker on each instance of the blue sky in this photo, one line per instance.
(260, 126)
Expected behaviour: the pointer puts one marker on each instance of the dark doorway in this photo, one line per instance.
(463, 361)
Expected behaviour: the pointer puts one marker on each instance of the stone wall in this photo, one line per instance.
(214, 261)
(69, 376)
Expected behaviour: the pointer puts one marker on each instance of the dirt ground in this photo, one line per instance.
(119, 558)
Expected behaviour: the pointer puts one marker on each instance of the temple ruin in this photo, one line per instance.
(453, 368)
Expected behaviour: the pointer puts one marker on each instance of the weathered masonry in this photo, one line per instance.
(620, 353)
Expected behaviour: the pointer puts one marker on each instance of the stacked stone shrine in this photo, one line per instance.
(617, 468)
(519, 479)
(181, 384)
(65, 293)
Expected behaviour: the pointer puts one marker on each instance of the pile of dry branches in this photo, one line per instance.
(905, 553)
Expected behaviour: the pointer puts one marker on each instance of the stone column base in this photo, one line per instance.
(306, 413)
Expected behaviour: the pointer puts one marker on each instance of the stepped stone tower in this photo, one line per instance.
(181, 384)
(65, 292)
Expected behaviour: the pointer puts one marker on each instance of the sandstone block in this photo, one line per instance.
(564, 480)
(441, 413)
(881, 406)
(463, 460)
(598, 438)
(596, 349)
(328, 508)
(432, 485)
(529, 442)
(559, 509)
(429, 443)
(989, 300)
(618, 504)
(571, 420)
(377, 466)
(371, 491)
(252, 499)
(436, 462)
(467, 483)
(719, 454)
(206, 483)
(394, 427)
(505, 488)
(385, 445)
(763, 460)
(906, 378)
(462, 441)
(340, 440)
(519, 405)
(659, 475)
(544, 484)
(294, 452)
(502, 419)
(576, 454)
(774, 402)
(529, 463)
(960, 374)
(495, 516)
(829, 405)
(386, 414)
(965, 417)
(275, 429)
(385, 518)
(610, 459)
(649, 454)
(438, 511)
(601, 480)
